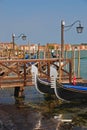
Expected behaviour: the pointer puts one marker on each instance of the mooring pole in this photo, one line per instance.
(60, 67)
(73, 62)
(48, 69)
(78, 73)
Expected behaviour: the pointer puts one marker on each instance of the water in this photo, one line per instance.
(53, 107)
(83, 62)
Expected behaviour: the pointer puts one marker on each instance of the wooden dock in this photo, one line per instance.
(17, 73)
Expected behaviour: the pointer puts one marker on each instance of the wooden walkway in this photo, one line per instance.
(15, 73)
(18, 73)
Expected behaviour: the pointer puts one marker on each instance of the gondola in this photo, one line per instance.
(70, 92)
(44, 86)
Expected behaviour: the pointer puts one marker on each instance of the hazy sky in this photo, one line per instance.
(40, 20)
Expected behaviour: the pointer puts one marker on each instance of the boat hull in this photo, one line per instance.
(70, 94)
(43, 86)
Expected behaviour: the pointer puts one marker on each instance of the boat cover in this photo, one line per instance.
(77, 87)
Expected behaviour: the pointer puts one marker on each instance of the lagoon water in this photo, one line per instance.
(83, 62)
(75, 111)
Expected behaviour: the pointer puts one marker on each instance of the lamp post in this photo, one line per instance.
(17, 37)
(78, 28)
(62, 38)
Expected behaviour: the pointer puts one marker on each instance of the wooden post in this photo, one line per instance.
(66, 58)
(48, 51)
(39, 68)
(48, 69)
(62, 39)
(78, 68)
(38, 51)
(73, 61)
(70, 71)
(57, 55)
(66, 54)
(19, 91)
(59, 67)
(24, 74)
(44, 52)
(16, 92)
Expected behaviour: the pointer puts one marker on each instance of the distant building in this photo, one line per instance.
(33, 48)
(6, 45)
(81, 46)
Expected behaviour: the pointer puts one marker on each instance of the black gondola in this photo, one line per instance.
(70, 92)
(44, 86)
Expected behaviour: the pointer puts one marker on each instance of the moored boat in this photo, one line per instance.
(70, 92)
(44, 86)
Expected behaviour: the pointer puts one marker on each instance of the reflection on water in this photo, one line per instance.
(50, 108)
(76, 111)
(31, 95)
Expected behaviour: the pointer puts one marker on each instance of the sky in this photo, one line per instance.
(40, 20)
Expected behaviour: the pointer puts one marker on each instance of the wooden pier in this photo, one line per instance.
(17, 73)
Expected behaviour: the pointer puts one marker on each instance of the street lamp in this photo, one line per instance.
(17, 37)
(78, 28)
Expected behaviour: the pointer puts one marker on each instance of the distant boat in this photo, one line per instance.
(70, 92)
(44, 86)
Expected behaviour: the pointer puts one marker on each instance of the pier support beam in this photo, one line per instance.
(18, 92)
